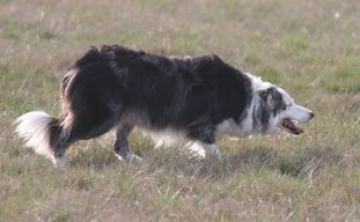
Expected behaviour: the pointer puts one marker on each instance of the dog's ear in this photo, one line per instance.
(265, 93)
(273, 98)
(270, 94)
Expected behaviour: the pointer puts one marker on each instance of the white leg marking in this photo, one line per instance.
(59, 162)
(130, 157)
(203, 150)
(196, 149)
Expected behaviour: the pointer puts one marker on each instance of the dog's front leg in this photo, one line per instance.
(212, 151)
(205, 138)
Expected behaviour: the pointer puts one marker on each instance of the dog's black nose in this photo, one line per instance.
(312, 115)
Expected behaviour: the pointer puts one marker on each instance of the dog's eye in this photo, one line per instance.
(287, 106)
(283, 105)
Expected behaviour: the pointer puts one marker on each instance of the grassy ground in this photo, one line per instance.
(311, 48)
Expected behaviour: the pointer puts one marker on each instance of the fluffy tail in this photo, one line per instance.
(40, 132)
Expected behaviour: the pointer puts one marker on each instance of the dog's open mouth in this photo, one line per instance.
(290, 126)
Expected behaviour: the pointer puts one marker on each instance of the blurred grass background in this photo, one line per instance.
(310, 48)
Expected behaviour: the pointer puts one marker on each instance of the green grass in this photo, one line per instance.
(345, 77)
(299, 45)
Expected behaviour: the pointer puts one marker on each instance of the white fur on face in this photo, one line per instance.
(298, 113)
(294, 111)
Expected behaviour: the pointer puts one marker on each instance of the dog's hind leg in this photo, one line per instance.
(122, 148)
(62, 143)
(81, 124)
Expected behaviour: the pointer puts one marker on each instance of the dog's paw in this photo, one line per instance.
(58, 162)
(212, 151)
(130, 158)
(215, 155)
(135, 159)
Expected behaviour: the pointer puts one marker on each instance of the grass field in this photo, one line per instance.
(310, 48)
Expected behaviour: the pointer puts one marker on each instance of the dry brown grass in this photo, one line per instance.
(311, 48)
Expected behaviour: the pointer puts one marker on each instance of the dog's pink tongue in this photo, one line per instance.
(292, 127)
(298, 130)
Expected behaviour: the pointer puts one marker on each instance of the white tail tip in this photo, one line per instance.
(33, 128)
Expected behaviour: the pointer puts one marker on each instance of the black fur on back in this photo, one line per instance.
(190, 94)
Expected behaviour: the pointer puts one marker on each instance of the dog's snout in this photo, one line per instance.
(312, 115)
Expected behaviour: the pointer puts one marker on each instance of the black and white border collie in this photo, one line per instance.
(118, 88)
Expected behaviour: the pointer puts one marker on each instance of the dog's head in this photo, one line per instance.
(281, 111)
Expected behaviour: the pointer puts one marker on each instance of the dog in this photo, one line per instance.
(202, 98)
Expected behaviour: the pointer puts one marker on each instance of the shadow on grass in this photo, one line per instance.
(299, 163)
(99, 160)
(249, 159)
